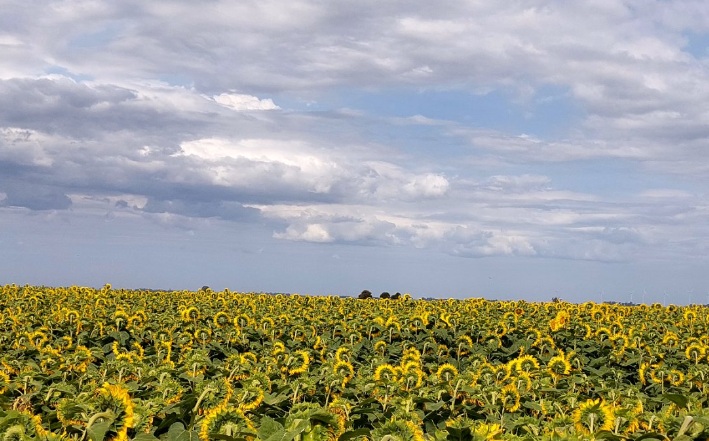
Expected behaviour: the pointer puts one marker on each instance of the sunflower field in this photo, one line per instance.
(80, 363)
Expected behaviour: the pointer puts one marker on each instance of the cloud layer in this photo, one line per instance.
(572, 131)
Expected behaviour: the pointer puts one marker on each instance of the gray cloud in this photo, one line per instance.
(201, 111)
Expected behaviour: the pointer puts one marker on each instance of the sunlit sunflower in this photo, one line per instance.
(385, 373)
(558, 367)
(592, 416)
(302, 367)
(343, 353)
(510, 398)
(526, 363)
(221, 319)
(115, 398)
(191, 314)
(344, 370)
(670, 339)
(120, 318)
(675, 377)
(642, 372)
(695, 352)
(411, 375)
(411, 354)
(229, 421)
(447, 372)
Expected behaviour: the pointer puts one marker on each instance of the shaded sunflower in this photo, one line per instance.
(398, 431)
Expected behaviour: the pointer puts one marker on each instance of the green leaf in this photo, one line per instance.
(607, 434)
(271, 430)
(351, 434)
(144, 437)
(680, 400)
(650, 436)
(434, 406)
(97, 431)
(177, 432)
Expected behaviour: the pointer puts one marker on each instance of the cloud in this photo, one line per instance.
(244, 102)
(137, 113)
(34, 197)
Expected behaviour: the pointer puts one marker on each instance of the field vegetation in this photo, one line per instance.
(80, 363)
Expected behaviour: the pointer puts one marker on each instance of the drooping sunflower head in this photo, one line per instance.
(558, 367)
(221, 319)
(510, 398)
(343, 353)
(526, 363)
(412, 375)
(398, 431)
(446, 372)
(301, 363)
(592, 416)
(343, 370)
(229, 421)
(385, 373)
(213, 393)
(695, 352)
(115, 398)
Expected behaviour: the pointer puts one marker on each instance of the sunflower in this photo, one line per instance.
(115, 398)
(4, 381)
(212, 394)
(592, 416)
(227, 421)
(305, 363)
(221, 319)
(70, 412)
(642, 373)
(380, 346)
(526, 363)
(344, 370)
(695, 351)
(170, 390)
(411, 354)
(26, 426)
(385, 373)
(253, 391)
(510, 398)
(558, 367)
(447, 372)
(343, 353)
(203, 335)
(398, 431)
(412, 375)
(120, 318)
(190, 314)
(675, 377)
(670, 339)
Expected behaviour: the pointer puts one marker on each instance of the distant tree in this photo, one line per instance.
(385, 295)
(366, 294)
(204, 288)
(396, 296)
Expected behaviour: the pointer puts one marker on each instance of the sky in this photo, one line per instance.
(506, 150)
